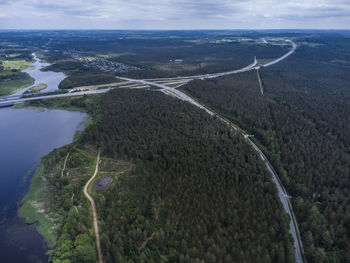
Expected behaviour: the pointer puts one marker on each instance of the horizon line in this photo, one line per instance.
(155, 29)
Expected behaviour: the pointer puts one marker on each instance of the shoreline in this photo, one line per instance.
(31, 209)
(33, 204)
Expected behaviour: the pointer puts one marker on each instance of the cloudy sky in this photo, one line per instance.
(174, 14)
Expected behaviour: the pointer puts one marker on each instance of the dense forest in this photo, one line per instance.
(302, 123)
(196, 191)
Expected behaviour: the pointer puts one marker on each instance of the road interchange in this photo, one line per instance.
(169, 86)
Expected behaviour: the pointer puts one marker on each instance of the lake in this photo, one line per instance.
(25, 136)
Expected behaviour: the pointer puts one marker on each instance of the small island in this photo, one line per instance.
(36, 88)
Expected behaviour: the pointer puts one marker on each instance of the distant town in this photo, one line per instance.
(102, 64)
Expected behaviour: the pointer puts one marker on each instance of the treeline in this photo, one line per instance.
(197, 193)
(302, 122)
(10, 53)
(86, 79)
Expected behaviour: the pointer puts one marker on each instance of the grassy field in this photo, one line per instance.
(265, 61)
(15, 64)
(175, 85)
(11, 77)
(57, 104)
(8, 87)
(115, 55)
(33, 208)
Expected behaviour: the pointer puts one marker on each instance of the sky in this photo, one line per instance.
(174, 14)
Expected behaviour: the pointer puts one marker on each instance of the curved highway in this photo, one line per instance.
(294, 47)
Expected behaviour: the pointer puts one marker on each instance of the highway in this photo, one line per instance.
(294, 47)
(55, 96)
(293, 229)
(163, 85)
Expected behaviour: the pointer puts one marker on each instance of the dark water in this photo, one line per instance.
(25, 136)
(102, 183)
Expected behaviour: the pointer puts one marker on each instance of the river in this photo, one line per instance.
(50, 78)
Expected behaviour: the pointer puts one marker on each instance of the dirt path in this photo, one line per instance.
(93, 208)
(64, 165)
(144, 243)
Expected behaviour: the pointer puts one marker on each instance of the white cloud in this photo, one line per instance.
(174, 14)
